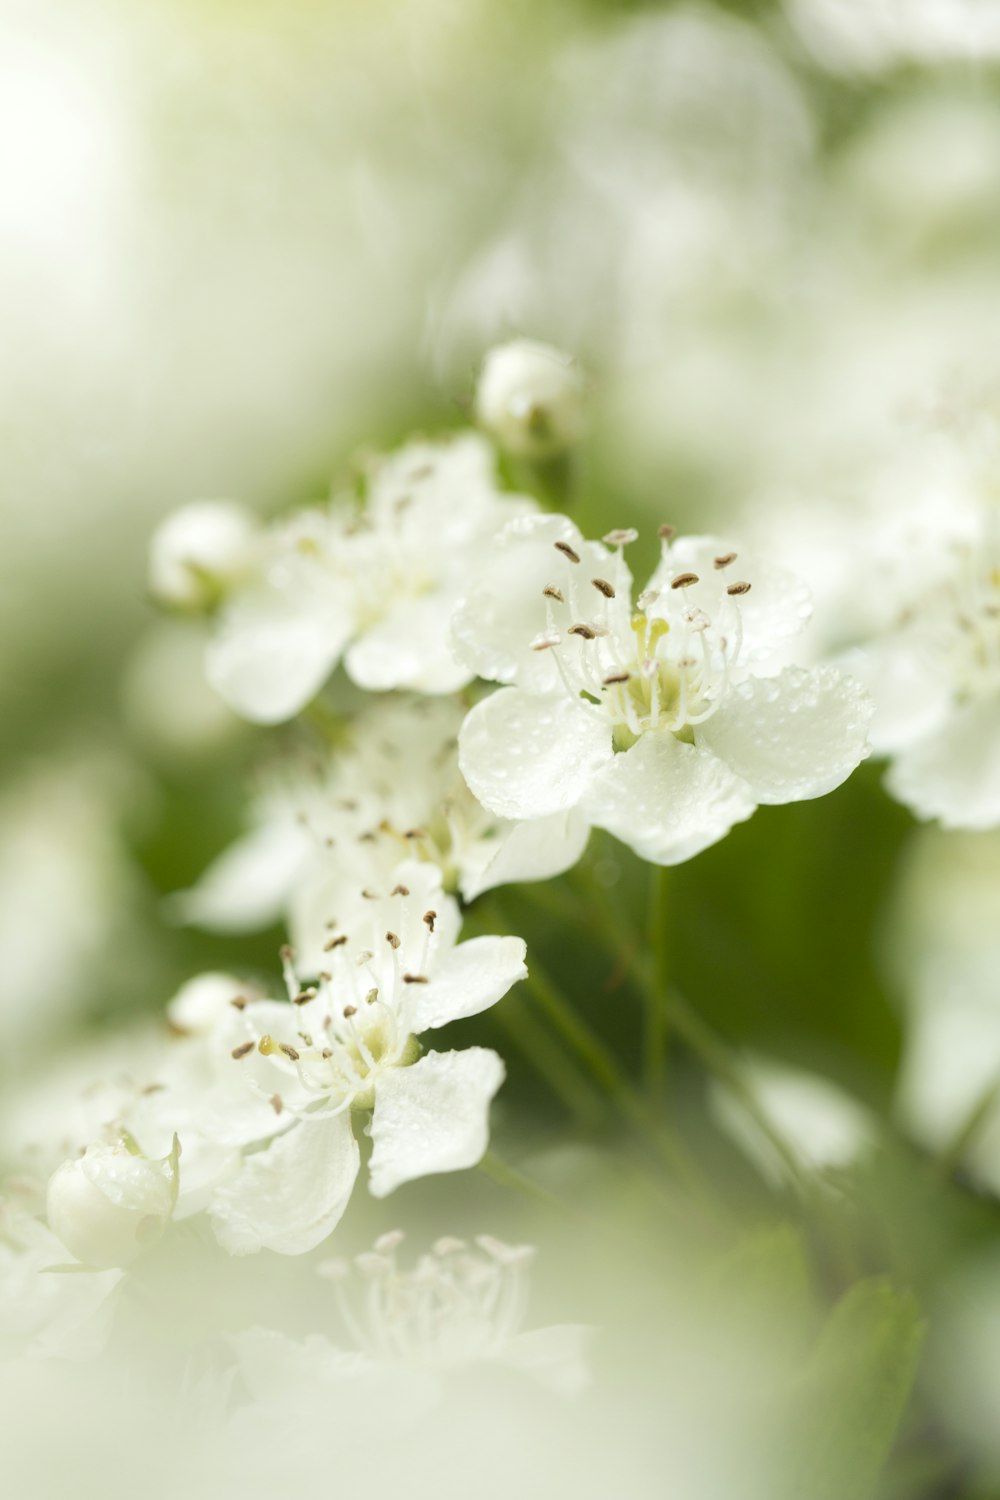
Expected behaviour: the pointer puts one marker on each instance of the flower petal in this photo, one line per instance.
(954, 774)
(277, 645)
(474, 976)
(793, 736)
(525, 757)
(290, 1196)
(432, 1117)
(251, 882)
(409, 648)
(533, 849)
(667, 800)
(504, 609)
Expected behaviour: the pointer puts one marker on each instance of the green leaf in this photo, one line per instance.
(846, 1407)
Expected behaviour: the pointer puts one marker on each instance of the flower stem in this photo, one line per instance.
(507, 1176)
(657, 1018)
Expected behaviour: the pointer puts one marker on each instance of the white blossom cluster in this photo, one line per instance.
(522, 692)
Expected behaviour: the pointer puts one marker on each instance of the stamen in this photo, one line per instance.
(392, 940)
(415, 979)
(620, 537)
(334, 942)
(545, 642)
(349, 1011)
(603, 587)
(567, 551)
(400, 890)
(289, 1051)
(725, 560)
(430, 917)
(277, 1103)
(238, 1002)
(684, 580)
(738, 588)
(551, 592)
(615, 678)
(242, 1050)
(304, 996)
(666, 533)
(586, 631)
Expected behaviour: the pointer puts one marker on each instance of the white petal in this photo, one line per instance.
(775, 610)
(290, 1196)
(432, 1117)
(793, 736)
(250, 883)
(667, 800)
(555, 1356)
(409, 648)
(277, 645)
(474, 976)
(954, 774)
(525, 757)
(504, 609)
(534, 849)
(910, 686)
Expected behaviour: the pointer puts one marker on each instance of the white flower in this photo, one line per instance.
(530, 398)
(935, 678)
(458, 1307)
(392, 791)
(111, 1202)
(346, 1042)
(67, 1316)
(820, 1123)
(372, 581)
(196, 552)
(657, 720)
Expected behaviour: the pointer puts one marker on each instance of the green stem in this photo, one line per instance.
(507, 1176)
(950, 1157)
(549, 1060)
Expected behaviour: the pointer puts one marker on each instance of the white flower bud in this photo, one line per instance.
(109, 1203)
(530, 398)
(197, 550)
(200, 1002)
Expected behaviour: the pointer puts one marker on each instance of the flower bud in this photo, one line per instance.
(109, 1203)
(530, 398)
(196, 551)
(200, 1002)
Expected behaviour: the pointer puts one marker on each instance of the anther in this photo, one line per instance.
(666, 533)
(586, 631)
(392, 940)
(430, 917)
(326, 1054)
(683, 580)
(368, 894)
(603, 587)
(289, 1051)
(415, 833)
(738, 588)
(567, 551)
(286, 952)
(349, 1011)
(334, 942)
(276, 1103)
(615, 678)
(620, 537)
(551, 592)
(725, 560)
(242, 1050)
(304, 996)
(371, 996)
(400, 890)
(238, 1002)
(415, 979)
(545, 642)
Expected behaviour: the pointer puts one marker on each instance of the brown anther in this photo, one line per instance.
(738, 588)
(430, 917)
(304, 996)
(242, 1050)
(153, 1088)
(287, 952)
(349, 1011)
(620, 536)
(326, 1054)
(368, 837)
(392, 940)
(683, 580)
(551, 592)
(603, 587)
(238, 1002)
(372, 995)
(335, 942)
(414, 833)
(615, 678)
(400, 890)
(276, 1103)
(585, 631)
(289, 1051)
(325, 976)
(369, 894)
(567, 551)
(724, 560)
(666, 533)
(545, 643)
(415, 979)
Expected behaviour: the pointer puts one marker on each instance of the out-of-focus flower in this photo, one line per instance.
(821, 1125)
(935, 678)
(111, 1202)
(459, 1307)
(346, 1042)
(197, 553)
(530, 398)
(372, 580)
(854, 36)
(41, 1310)
(392, 790)
(664, 723)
